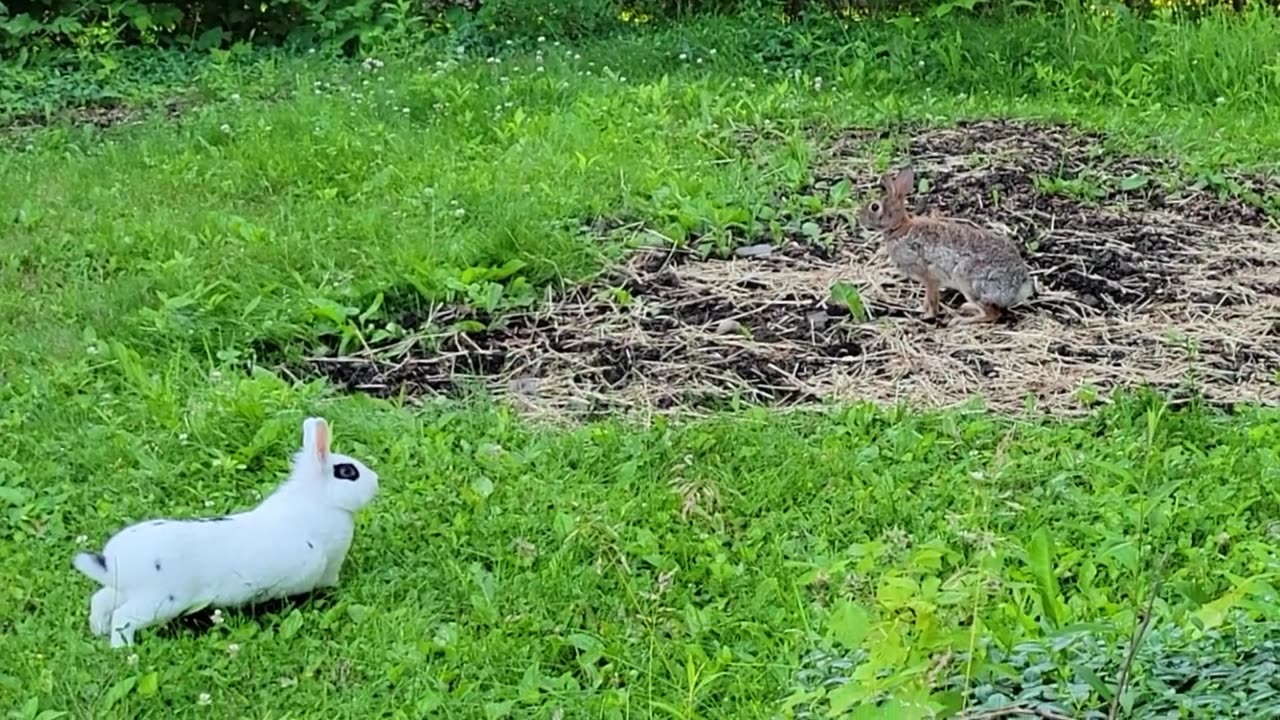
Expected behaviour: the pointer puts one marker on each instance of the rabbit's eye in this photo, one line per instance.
(875, 207)
(346, 471)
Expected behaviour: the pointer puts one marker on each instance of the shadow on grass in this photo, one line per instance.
(269, 612)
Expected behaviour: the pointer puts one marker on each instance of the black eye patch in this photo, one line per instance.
(346, 471)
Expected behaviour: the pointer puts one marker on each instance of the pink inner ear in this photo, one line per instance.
(322, 441)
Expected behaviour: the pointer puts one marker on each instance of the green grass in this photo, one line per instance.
(151, 275)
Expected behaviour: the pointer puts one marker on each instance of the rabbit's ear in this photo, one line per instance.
(903, 181)
(315, 439)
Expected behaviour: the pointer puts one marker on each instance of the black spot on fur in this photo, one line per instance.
(156, 523)
(171, 597)
(213, 519)
(157, 566)
(346, 471)
(313, 547)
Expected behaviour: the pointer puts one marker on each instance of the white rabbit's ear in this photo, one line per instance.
(904, 181)
(315, 439)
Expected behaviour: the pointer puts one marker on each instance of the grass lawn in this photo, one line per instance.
(163, 282)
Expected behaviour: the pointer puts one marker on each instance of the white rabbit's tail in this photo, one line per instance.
(94, 565)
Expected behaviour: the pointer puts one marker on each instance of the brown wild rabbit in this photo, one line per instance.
(940, 252)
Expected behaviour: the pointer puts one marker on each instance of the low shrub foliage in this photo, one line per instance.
(35, 26)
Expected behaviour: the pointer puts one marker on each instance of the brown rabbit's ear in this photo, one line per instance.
(904, 181)
(887, 181)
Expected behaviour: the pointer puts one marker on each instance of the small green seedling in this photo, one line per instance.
(847, 294)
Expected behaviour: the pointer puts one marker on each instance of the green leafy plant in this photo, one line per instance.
(848, 294)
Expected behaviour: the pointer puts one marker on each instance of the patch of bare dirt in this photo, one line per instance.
(1173, 288)
(101, 116)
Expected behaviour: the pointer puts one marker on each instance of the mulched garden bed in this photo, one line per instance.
(1172, 288)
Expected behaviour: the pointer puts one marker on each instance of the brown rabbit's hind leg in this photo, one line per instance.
(932, 291)
(978, 312)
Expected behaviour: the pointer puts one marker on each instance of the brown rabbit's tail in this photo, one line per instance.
(1027, 290)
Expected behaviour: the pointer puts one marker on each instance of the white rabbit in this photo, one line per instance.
(293, 542)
